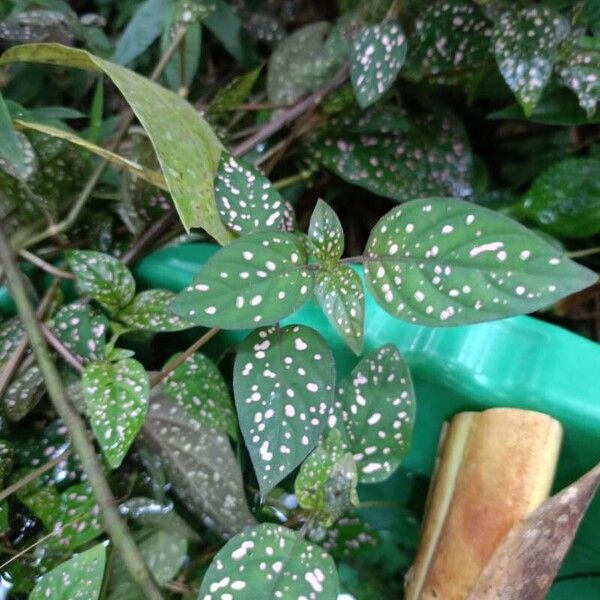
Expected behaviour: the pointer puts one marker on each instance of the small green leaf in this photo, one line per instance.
(230, 96)
(258, 279)
(149, 311)
(116, 397)
(443, 262)
(341, 295)
(189, 165)
(350, 537)
(246, 200)
(579, 69)
(375, 410)
(450, 38)
(267, 559)
(6, 459)
(80, 578)
(326, 235)
(29, 160)
(386, 153)
(81, 331)
(326, 483)
(41, 500)
(23, 394)
(283, 383)
(200, 465)
(104, 277)
(565, 200)
(525, 45)
(198, 386)
(378, 53)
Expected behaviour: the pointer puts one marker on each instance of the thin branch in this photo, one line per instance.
(60, 348)
(292, 113)
(114, 525)
(148, 236)
(158, 377)
(585, 252)
(34, 259)
(33, 475)
(14, 361)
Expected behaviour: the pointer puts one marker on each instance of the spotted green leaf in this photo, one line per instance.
(149, 311)
(11, 332)
(200, 465)
(450, 38)
(326, 235)
(326, 483)
(246, 200)
(41, 500)
(103, 277)
(78, 521)
(375, 409)
(443, 262)
(116, 398)
(80, 578)
(24, 392)
(6, 459)
(350, 537)
(270, 561)
(378, 53)
(189, 165)
(340, 293)
(565, 199)
(283, 383)
(390, 155)
(198, 385)
(579, 69)
(525, 43)
(296, 65)
(258, 279)
(81, 330)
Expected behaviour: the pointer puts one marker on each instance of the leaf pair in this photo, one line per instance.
(108, 281)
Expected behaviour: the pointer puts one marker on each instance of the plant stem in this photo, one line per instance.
(73, 214)
(114, 525)
(45, 266)
(292, 179)
(585, 252)
(291, 113)
(158, 377)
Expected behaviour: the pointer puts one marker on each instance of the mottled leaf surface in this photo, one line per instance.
(190, 165)
(386, 153)
(375, 410)
(326, 235)
(450, 38)
(116, 398)
(24, 392)
(234, 93)
(150, 311)
(200, 463)
(444, 262)
(341, 295)
(270, 561)
(525, 44)
(378, 53)
(11, 332)
(349, 537)
(565, 199)
(246, 200)
(258, 279)
(283, 385)
(80, 578)
(103, 277)
(81, 330)
(296, 66)
(198, 386)
(579, 69)
(326, 483)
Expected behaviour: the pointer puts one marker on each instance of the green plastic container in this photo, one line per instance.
(519, 362)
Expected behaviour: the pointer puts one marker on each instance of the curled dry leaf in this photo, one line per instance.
(526, 563)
